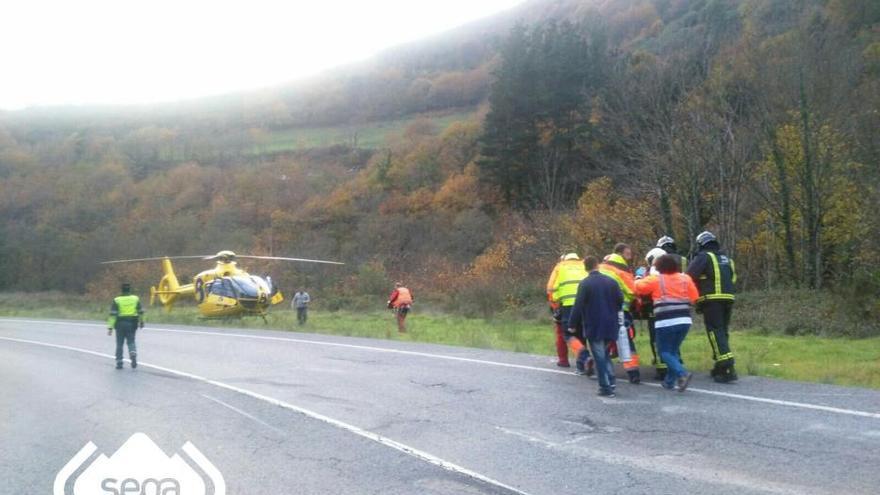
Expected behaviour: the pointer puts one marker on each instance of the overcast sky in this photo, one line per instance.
(127, 51)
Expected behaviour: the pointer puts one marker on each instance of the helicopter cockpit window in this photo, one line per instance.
(222, 288)
(246, 286)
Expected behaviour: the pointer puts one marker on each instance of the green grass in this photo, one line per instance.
(369, 135)
(840, 361)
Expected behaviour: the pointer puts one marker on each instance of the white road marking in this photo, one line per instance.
(688, 466)
(243, 413)
(729, 395)
(406, 449)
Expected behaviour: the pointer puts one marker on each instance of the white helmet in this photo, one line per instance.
(664, 241)
(571, 256)
(705, 237)
(653, 254)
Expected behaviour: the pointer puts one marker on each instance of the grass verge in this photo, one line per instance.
(839, 361)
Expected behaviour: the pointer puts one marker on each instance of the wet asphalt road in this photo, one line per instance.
(297, 413)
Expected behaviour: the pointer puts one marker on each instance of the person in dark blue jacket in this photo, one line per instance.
(595, 315)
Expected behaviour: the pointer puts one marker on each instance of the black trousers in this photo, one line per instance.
(302, 314)
(125, 332)
(716, 316)
(656, 361)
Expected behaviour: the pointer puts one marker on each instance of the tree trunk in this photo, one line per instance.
(785, 214)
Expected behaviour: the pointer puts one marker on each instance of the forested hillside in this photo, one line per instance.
(584, 123)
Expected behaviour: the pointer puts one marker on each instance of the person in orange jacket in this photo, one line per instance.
(400, 300)
(672, 293)
(617, 266)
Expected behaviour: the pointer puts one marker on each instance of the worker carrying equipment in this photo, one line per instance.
(616, 266)
(646, 312)
(562, 289)
(672, 294)
(714, 273)
(126, 316)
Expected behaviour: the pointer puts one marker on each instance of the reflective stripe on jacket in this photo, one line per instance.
(616, 268)
(565, 287)
(715, 276)
(672, 295)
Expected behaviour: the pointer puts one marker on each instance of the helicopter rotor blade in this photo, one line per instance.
(281, 258)
(150, 259)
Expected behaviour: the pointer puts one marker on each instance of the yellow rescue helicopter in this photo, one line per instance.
(223, 291)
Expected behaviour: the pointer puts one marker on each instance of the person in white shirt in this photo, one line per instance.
(301, 302)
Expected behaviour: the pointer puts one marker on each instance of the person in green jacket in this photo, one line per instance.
(126, 316)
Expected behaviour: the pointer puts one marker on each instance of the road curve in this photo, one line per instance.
(299, 413)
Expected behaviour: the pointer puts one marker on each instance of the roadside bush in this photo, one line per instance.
(806, 312)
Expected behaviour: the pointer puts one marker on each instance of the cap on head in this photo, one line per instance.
(654, 254)
(126, 287)
(571, 256)
(705, 238)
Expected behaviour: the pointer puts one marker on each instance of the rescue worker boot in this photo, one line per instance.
(723, 373)
(660, 374)
(634, 376)
(731, 375)
(119, 365)
(134, 361)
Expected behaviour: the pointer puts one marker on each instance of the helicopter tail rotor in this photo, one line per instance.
(169, 287)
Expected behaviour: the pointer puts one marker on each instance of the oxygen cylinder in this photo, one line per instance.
(623, 352)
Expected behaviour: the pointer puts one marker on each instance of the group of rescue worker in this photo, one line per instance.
(710, 272)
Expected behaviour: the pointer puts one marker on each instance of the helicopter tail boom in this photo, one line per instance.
(169, 287)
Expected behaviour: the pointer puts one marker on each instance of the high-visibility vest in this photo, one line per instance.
(615, 267)
(125, 307)
(671, 294)
(721, 285)
(568, 276)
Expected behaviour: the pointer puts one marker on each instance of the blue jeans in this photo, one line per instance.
(604, 367)
(669, 341)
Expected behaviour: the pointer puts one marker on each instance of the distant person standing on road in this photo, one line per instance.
(595, 314)
(400, 301)
(301, 302)
(126, 316)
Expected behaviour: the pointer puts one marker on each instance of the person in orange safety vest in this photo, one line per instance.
(672, 293)
(400, 301)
